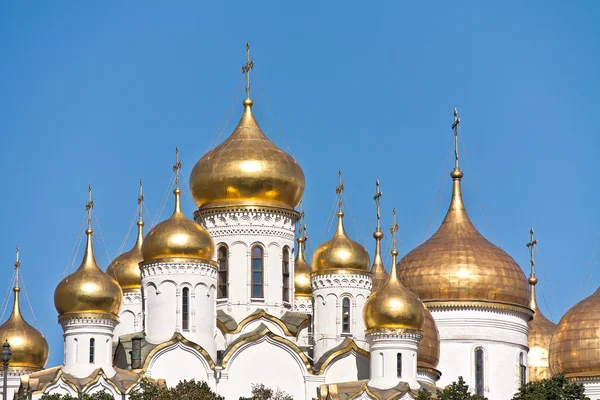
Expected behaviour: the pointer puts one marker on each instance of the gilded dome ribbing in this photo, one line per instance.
(340, 253)
(125, 268)
(178, 237)
(575, 345)
(29, 347)
(247, 169)
(457, 263)
(428, 352)
(302, 270)
(393, 306)
(88, 289)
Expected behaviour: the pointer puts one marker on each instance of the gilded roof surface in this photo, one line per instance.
(575, 346)
(302, 270)
(428, 351)
(458, 263)
(378, 272)
(126, 267)
(247, 169)
(540, 334)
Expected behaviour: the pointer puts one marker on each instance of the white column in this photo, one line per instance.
(79, 332)
(386, 349)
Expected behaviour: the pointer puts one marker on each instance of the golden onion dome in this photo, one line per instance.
(393, 306)
(574, 348)
(340, 253)
(126, 267)
(88, 289)
(178, 237)
(247, 169)
(29, 347)
(539, 337)
(428, 352)
(378, 272)
(458, 264)
(302, 271)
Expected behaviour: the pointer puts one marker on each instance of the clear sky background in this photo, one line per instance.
(101, 93)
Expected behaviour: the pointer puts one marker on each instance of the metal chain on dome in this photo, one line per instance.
(187, 192)
(538, 263)
(75, 249)
(30, 308)
(7, 296)
(228, 112)
(163, 202)
(360, 236)
(102, 237)
(583, 287)
(120, 250)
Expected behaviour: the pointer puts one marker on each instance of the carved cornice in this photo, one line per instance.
(346, 280)
(508, 308)
(72, 319)
(249, 222)
(162, 267)
(201, 214)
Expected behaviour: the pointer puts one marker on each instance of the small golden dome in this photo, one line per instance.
(340, 253)
(178, 237)
(29, 347)
(393, 306)
(88, 289)
(378, 272)
(428, 352)
(574, 348)
(126, 267)
(457, 263)
(247, 169)
(539, 337)
(302, 271)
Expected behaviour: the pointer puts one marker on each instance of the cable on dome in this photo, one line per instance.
(102, 238)
(75, 248)
(539, 264)
(219, 131)
(329, 219)
(163, 202)
(583, 287)
(120, 251)
(30, 308)
(360, 237)
(273, 116)
(7, 295)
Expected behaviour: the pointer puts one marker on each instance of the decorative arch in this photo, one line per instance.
(350, 347)
(258, 314)
(177, 339)
(101, 382)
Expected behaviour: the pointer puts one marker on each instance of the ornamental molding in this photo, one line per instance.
(105, 320)
(203, 214)
(132, 297)
(395, 334)
(483, 322)
(177, 267)
(303, 305)
(250, 231)
(248, 222)
(326, 281)
(490, 307)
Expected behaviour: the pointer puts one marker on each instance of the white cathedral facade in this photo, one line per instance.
(228, 297)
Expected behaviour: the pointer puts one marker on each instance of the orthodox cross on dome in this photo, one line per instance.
(531, 246)
(339, 190)
(394, 229)
(89, 206)
(17, 266)
(140, 200)
(246, 68)
(177, 167)
(455, 129)
(377, 199)
(300, 219)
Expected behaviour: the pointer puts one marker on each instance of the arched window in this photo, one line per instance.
(92, 349)
(223, 260)
(257, 273)
(479, 371)
(346, 315)
(399, 365)
(522, 370)
(185, 309)
(285, 270)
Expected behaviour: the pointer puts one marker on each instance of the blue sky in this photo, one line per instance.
(101, 93)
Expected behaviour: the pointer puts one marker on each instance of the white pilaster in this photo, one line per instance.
(329, 292)
(164, 282)
(130, 314)
(394, 358)
(88, 344)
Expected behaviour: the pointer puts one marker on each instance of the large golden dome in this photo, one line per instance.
(302, 272)
(539, 337)
(458, 264)
(393, 306)
(575, 345)
(126, 267)
(247, 169)
(428, 352)
(178, 237)
(340, 253)
(29, 347)
(88, 289)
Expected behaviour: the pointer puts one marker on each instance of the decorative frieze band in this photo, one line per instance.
(362, 281)
(173, 267)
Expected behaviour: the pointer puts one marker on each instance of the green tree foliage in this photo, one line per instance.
(457, 391)
(96, 396)
(185, 390)
(555, 388)
(260, 392)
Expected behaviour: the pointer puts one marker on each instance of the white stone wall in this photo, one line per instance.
(385, 348)
(592, 388)
(78, 331)
(239, 230)
(13, 380)
(163, 284)
(130, 314)
(502, 333)
(303, 305)
(329, 290)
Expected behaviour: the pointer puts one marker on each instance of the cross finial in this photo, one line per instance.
(531, 246)
(17, 266)
(177, 167)
(305, 233)
(141, 201)
(394, 229)
(455, 129)
(89, 206)
(246, 68)
(377, 199)
(339, 190)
